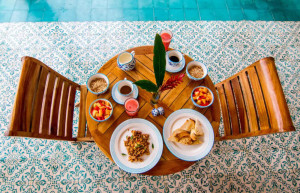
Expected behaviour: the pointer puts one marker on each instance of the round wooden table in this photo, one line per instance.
(171, 100)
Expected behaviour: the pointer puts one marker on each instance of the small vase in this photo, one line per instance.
(155, 98)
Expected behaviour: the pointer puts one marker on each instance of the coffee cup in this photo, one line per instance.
(125, 87)
(174, 58)
(126, 61)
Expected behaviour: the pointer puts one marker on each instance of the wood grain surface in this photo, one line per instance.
(44, 105)
(253, 102)
(171, 101)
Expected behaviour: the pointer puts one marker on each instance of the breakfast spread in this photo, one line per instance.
(188, 133)
(101, 110)
(98, 85)
(202, 96)
(137, 145)
(196, 71)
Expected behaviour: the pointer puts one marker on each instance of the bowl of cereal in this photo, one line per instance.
(97, 83)
(202, 97)
(196, 70)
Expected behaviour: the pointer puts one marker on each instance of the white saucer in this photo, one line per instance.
(173, 69)
(121, 99)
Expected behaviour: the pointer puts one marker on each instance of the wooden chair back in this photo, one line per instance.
(44, 104)
(253, 103)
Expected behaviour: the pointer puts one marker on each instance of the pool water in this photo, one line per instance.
(148, 10)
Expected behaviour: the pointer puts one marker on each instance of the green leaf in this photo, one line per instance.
(147, 85)
(159, 60)
(152, 146)
(123, 154)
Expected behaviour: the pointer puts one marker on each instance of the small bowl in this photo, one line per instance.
(196, 63)
(90, 108)
(91, 78)
(211, 102)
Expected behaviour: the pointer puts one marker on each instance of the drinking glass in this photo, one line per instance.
(131, 106)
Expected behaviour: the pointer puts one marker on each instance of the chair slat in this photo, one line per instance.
(227, 127)
(82, 111)
(62, 109)
(21, 117)
(232, 109)
(55, 106)
(249, 102)
(240, 105)
(259, 99)
(279, 115)
(37, 107)
(47, 102)
(70, 111)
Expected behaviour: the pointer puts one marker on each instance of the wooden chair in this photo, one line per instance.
(44, 104)
(253, 103)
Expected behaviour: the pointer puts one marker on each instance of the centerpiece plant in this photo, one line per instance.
(159, 66)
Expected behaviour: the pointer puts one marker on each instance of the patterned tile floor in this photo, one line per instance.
(78, 49)
(148, 10)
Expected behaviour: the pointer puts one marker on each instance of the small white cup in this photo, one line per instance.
(122, 83)
(176, 53)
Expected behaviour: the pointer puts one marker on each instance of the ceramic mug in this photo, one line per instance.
(126, 61)
(122, 83)
(177, 54)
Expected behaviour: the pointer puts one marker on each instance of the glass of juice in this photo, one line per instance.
(131, 107)
(166, 36)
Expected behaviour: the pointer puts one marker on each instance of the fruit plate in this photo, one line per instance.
(188, 152)
(118, 149)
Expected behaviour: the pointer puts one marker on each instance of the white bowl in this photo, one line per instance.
(196, 63)
(91, 78)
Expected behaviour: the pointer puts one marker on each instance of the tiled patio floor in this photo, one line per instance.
(148, 10)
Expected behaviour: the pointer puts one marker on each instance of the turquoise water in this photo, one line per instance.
(148, 10)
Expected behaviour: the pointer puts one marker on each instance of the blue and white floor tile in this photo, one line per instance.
(77, 50)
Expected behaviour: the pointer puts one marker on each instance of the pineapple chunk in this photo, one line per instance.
(94, 112)
(205, 90)
(107, 112)
(100, 113)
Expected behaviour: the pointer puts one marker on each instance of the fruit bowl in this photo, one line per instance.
(202, 97)
(100, 110)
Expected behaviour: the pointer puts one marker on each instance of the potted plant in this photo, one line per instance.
(159, 66)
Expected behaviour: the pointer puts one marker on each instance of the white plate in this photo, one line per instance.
(121, 99)
(117, 146)
(188, 152)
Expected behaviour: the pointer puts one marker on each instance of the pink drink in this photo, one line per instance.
(131, 106)
(166, 37)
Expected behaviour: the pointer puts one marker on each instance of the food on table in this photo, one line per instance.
(188, 133)
(202, 96)
(101, 110)
(196, 71)
(137, 145)
(98, 85)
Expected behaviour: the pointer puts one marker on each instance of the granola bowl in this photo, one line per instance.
(196, 70)
(96, 87)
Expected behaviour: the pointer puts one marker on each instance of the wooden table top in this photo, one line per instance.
(171, 100)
